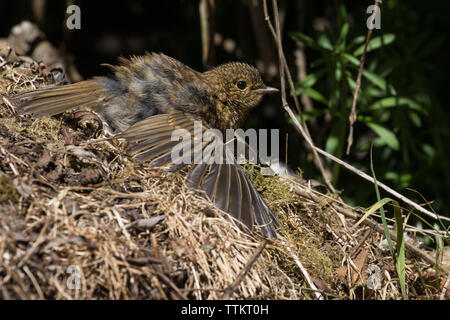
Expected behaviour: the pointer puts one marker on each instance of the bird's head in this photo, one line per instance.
(238, 84)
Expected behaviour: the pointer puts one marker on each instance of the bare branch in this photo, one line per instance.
(231, 288)
(207, 23)
(352, 117)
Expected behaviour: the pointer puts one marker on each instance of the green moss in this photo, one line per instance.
(273, 188)
(310, 249)
(41, 130)
(307, 245)
(8, 191)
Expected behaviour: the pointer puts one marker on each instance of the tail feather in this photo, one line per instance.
(54, 100)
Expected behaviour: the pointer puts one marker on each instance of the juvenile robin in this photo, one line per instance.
(150, 96)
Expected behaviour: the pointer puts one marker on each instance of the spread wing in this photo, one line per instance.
(224, 182)
(53, 100)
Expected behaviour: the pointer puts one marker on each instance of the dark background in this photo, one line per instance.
(416, 64)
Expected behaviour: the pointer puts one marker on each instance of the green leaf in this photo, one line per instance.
(376, 43)
(357, 41)
(399, 259)
(308, 114)
(309, 81)
(317, 62)
(343, 36)
(375, 79)
(351, 82)
(374, 92)
(391, 102)
(324, 42)
(333, 102)
(338, 72)
(351, 59)
(384, 116)
(342, 15)
(316, 95)
(298, 36)
(438, 238)
(331, 144)
(386, 135)
(372, 210)
(429, 150)
(391, 175)
(405, 180)
(415, 119)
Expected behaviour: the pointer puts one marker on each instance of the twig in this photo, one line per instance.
(359, 245)
(285, 68)
(197, 283)
(178, 294)
(40, 239)
(206, 8)
(231, 288)
(300, 62)
(34, 281)
(122, 227)
(144, 261)
(167, 281)
(352, 117)
(157, 255)
(445, 288)
(286, 155)
(265, 48)
(305, 274)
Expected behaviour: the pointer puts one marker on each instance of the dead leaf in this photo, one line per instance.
(44, 160)
(355, 274)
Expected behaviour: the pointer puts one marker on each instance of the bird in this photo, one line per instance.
(147, 97)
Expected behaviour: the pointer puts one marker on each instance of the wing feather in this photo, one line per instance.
(225, 184)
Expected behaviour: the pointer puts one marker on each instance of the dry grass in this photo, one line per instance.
(73, 207)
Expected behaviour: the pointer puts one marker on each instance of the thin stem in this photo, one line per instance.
(352, 117)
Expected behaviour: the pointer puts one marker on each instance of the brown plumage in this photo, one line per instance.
(150, 96)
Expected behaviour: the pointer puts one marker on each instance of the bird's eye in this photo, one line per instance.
(241, 85)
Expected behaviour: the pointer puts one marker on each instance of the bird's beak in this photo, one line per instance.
(267, 90)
